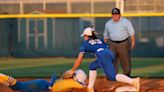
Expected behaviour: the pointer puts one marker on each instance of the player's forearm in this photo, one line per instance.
(77, 62)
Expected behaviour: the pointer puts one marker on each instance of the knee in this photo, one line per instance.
(112, 78)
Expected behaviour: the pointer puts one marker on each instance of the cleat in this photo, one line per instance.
(136, 83)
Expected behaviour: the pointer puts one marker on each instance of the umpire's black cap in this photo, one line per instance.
(115, 11)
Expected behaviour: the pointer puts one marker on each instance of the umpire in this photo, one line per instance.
(120, 32)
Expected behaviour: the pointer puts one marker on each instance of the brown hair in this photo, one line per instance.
(93, 35)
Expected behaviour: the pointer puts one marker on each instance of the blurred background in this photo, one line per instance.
(39, 37)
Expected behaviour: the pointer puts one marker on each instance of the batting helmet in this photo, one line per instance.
(80, 76)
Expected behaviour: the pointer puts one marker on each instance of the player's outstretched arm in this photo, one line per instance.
(77, 62)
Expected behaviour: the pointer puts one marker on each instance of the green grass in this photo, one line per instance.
(45, 67)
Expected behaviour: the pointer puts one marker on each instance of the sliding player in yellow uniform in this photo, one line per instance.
(41, 85)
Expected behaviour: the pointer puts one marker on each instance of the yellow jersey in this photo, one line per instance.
(63, 85)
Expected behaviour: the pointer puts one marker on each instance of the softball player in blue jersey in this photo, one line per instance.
(104, 60)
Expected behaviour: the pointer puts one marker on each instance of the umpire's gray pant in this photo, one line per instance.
(122, 52)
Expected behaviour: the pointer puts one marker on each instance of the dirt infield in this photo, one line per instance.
(103, 85)
(147, 85)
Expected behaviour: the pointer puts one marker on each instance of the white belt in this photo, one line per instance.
(100, 49)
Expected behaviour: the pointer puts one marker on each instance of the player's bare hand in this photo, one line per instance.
(68, 74)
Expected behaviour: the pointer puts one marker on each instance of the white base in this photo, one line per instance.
(126, 89)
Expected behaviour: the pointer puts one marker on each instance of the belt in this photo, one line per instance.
(120, 41)
(100, 49)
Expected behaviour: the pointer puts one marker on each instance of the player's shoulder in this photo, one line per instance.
(84, 43)
(100, 39)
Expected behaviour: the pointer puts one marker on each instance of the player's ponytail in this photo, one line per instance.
(94, 35)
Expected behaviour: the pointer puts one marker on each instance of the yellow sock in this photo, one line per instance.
(7, 80)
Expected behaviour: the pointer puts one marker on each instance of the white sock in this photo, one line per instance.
(92, 78)
(124, 78)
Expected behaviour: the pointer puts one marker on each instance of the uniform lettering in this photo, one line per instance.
(96, 41)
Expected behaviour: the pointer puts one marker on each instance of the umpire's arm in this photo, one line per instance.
(132, 41)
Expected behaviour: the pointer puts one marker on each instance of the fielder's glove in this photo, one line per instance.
(68, 74)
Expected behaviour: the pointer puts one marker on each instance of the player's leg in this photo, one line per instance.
(123, 78)
(92, 75)
(107, 66)
(38, 85)
(17, 86)
(105, 59)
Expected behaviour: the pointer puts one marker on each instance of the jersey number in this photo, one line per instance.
(97, 41)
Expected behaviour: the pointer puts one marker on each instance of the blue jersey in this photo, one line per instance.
(104, 56)
(92, 45)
